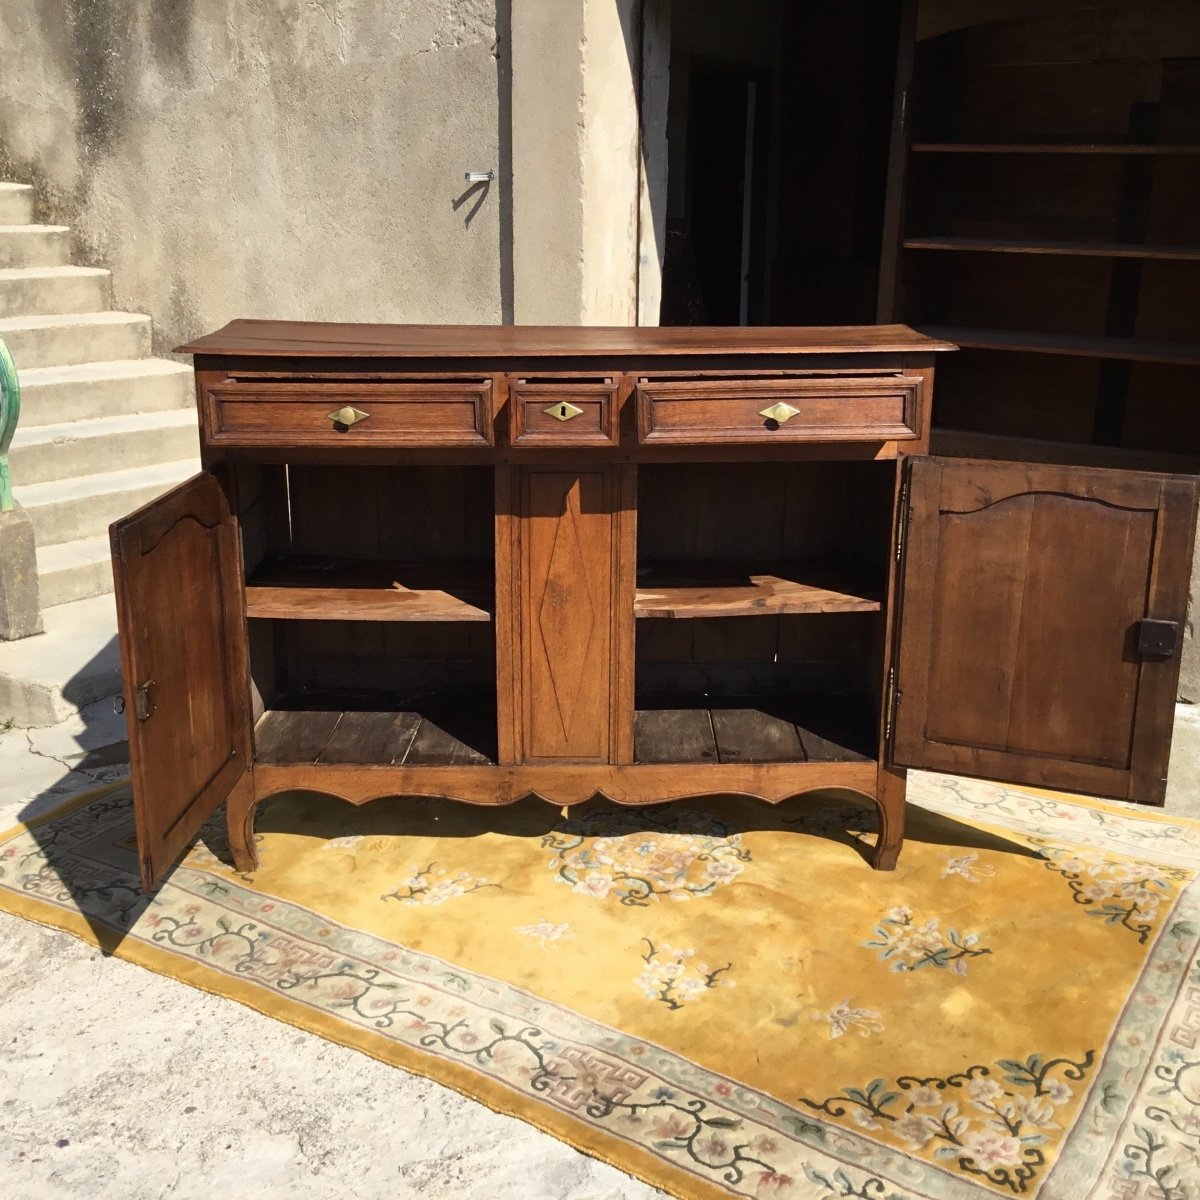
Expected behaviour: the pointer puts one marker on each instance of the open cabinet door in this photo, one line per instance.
(180, 614)
(1042, 612)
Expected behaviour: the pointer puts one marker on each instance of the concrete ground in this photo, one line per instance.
(190, 1096)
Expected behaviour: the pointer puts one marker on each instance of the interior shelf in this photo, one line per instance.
(332, 589)
(1067, 249)
(1050, 148)
(694, 590)
(447, 735)
(1128, 349)
(762, 729)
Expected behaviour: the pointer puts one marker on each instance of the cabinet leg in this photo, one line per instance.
(239, 820)
(890, 790)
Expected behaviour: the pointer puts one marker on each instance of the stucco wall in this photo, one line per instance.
(575, 161)
(281, 158)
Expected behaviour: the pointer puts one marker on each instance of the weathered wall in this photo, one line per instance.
(575, 161)
(276, 159)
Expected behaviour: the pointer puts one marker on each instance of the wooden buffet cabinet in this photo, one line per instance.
(647, 564)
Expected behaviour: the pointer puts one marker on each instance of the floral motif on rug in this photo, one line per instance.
(1014, 1012)
(641, 858)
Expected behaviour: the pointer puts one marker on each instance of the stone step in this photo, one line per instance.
(98, 389)
(34, 245)
(41, 453)
(74, 570)
(48, 678)
(70, 509)
(42, 290)
(16, 203)
(66, 338)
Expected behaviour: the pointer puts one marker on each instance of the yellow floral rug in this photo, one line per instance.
(722, 1000)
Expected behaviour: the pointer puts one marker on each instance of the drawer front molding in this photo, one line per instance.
(341, 415)
(548, 414)
(859, 408)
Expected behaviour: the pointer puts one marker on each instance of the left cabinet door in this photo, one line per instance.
(181, 619)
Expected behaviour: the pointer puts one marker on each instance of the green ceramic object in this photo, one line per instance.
(10, 410)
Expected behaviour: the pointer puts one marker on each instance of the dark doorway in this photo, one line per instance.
(722, 165)
(778, 128)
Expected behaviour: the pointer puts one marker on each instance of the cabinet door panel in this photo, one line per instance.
(568, 613)
(177, 571)
(1024, 591)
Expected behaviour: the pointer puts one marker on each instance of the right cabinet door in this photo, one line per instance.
(1042, 614)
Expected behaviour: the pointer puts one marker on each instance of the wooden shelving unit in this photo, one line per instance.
(397, 737)
(716, 590)
(331, 590)
(1045, 200)
(1111, 148)
(778, 731)
(1072, 345)
(975, 245)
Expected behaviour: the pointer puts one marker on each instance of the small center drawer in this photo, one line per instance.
(312, 413)
(841, 408)
(562, 414)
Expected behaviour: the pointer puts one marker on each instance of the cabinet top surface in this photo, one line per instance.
(329, 339)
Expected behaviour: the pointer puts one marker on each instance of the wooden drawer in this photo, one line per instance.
(552, 414)
(824, 408)
(249, 413)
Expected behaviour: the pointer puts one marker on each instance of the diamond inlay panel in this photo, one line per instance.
(567, 619)
(566, 616)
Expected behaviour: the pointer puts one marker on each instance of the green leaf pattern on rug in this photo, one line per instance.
(986, 1129)
(640, 858)
(435, 885)
(909, 946)
(680, 1126)
(839, 1186)
(671, 977)
(1124, 894)
(1165, 1151)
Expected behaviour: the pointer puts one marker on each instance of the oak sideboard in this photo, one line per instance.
(484, 563)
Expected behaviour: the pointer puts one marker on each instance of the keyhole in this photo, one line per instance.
(562, 410)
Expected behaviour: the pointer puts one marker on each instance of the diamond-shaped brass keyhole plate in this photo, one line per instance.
(562, 411)
(780, 412)
(348, 416)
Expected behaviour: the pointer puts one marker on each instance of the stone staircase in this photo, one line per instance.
(104, 428)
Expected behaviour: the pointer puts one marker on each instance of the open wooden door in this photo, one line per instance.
(177, 570)
(1042, 612)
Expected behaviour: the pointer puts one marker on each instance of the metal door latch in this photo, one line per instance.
(143, 700)
(1158, 639)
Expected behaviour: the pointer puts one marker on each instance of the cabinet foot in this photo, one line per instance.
(889, 800)
(239, 820)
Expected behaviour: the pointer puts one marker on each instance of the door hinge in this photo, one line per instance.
(893, 698)
(143, 700)
(901, 520)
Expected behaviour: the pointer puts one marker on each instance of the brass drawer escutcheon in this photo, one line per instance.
(780, 412)
(563, 411)
(348, 416)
